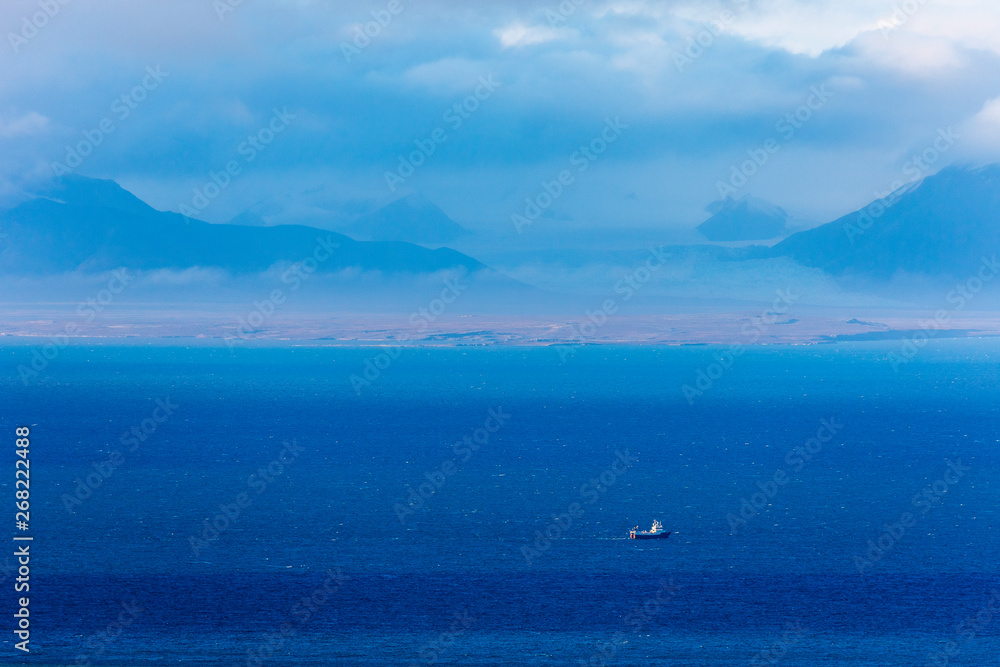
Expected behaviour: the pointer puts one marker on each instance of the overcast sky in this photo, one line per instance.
(690, 88)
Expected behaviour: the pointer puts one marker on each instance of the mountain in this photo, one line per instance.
(90, 226)
(940, 227)
(744, 219)
(412, 219)
(83, 191)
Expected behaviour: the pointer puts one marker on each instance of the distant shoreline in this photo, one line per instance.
(343, 329)
(459, 340)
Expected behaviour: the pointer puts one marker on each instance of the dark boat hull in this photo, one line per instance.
(661, 536)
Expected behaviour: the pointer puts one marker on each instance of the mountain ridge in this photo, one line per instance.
(413, 219)
(938, 227)
(107, 228)
(744, 219)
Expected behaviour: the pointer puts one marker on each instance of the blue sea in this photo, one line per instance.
(195, 504)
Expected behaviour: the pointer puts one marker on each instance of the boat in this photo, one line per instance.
(654, 533)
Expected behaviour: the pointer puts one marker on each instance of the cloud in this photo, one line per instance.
(981, 133)
(912, 55)
(892, 89)
(811, 27)
(518, 34)
(29, 123)
(449, 76)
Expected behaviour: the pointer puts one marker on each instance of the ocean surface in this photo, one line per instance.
(828, 508)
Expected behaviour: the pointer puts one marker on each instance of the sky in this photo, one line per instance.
(647, 111)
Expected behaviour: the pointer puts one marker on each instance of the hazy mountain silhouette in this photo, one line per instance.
(941, 227)
(744, 219)
(412, 219)
(89, 225)
(102, 193)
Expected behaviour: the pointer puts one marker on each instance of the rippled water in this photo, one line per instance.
(519, 456)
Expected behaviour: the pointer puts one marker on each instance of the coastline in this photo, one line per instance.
(366, 330)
